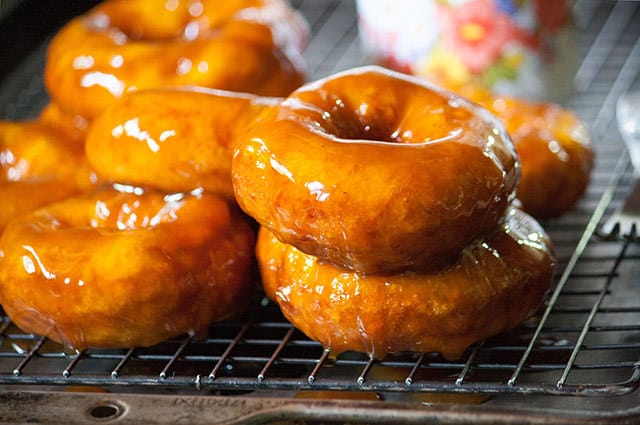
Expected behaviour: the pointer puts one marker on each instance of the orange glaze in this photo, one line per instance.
(124, 45)
(495, 284)
(554, 149)
(555, 153)
(74, 126)
(172, 139)
(376, 171)
(38, 165)
(125, 267)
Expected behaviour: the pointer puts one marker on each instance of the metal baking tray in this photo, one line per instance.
(578, 360)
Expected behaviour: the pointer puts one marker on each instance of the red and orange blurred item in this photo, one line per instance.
(523, 48)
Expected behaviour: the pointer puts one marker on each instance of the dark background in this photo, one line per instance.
(29, 22)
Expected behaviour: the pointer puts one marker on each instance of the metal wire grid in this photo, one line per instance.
(586, 341)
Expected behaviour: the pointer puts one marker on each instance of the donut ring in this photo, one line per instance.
(555, 153)
(124, 267)
(554, 147)
(376, 171)
(496, 283)
(39, 164)
(174, 140)
(122, 45)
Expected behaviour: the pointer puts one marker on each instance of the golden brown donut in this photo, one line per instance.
(553, 145)
(376, 171)
(39, 164)
(125, 267)
(495, 284)
(172, 139)
(555, 153)
(124, 45)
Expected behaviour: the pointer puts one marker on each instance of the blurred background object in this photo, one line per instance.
(525, 48)
(6, 6)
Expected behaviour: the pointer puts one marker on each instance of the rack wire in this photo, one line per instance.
(585, 340)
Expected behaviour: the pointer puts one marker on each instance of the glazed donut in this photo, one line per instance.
(496, 283)
(553, 145)
(38, 165)
(123, 45)
(555, 153)
(175, 140)
(376, 171)
(124, 267)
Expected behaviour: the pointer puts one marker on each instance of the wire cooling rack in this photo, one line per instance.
(585, 340)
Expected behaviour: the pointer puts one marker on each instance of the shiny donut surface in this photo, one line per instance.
(376, 171)
(555, 153)
(172, 139)
(74, 126)
(124, 45)
(39, 164)
(496, 283)
(554, 147)
(123, 267)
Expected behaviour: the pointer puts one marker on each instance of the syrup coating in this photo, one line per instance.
(39, 164)
(554, 148)
(376, 171)
(123, 45)
(124, 267)
(496, 283)
(74, 126)
(555, 152)
(172, 139)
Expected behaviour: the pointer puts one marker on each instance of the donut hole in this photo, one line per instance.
(363, 121)
(400, 183)
(392, 118)
(364, 108)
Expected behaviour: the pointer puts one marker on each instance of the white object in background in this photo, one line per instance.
(628, 116)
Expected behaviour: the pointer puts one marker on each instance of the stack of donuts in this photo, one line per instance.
(122, 46)
(139, 239)
(387, 206)
(388, 216)
(159, 250)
